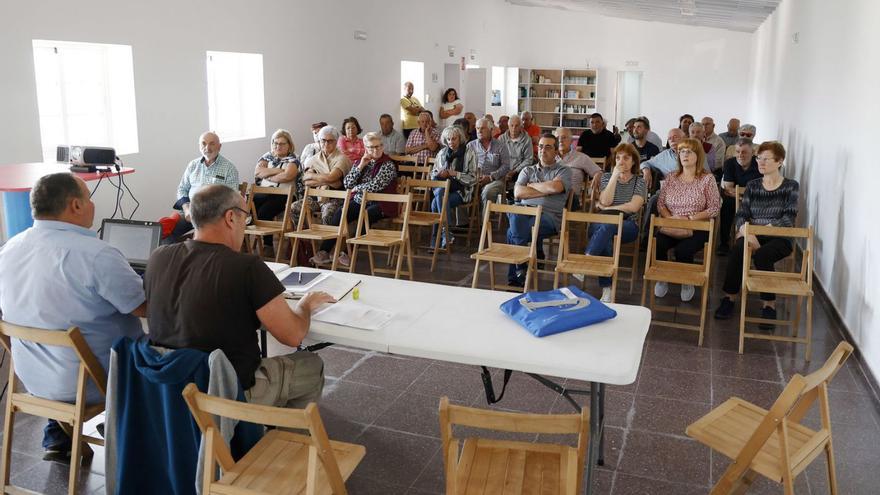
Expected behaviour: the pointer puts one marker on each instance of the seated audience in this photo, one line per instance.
(771, 200)
(458, 163)
(626, 134)
(210, 168)
(698, 132)
(651, 137)
(519, 148)
(57, 274)
(748, 132)
(738, 171)
(375, 172)
(718, 146)
(532, 129)
(622, 190)
(410, 108)
(392, 139)
(450, 107)
(493, 161)
(472, 122)
(546, 184)
(279, 166)
(204, 294)
(658, 167)
(502, 126)
(644, 146)
(597, 141)
(324, 170)
(732, 133)
(350, 142)
(312, 148)
(689, 193)
(582, 167)
(424, 141)
(465, 127)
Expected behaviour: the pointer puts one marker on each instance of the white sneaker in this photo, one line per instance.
(687, 292)
(320, 258)
(606, 295)
(660, 289)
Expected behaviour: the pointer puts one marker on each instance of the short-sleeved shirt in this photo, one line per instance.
(353, 148)
(650, 150)
(733, 172)
(449, 105)
(554, 203)
(197, 176)
(205, 296)
(624, 191)
(495, 161)
(534, 131)
(56, 275)
(408, 121)
(417, 138)
(581, 167)
(597, 145)
(394, 142)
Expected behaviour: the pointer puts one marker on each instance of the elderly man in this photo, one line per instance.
(392, 139)
(698, 132)
(597, 141)
(582, 167)
(204, 294)
(314, 147)
(56, 275)
(424, 141)
(502, 126)
(646, 148)
(324, 170)
(738, 171)
(210, 168)
(546, 184)
(532, 129)
(493, 161)
(747, 131)
(410, 108)
(519, 147)
(732, 133)
(718, 146)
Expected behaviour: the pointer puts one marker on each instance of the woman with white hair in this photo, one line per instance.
(278, 166)
(323, 170)
(458, 163)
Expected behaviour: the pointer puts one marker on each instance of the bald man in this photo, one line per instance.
(209, 168)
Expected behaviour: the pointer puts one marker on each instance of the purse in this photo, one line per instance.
(554, 311)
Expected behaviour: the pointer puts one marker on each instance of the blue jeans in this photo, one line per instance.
(520, 233)
(602, 241)
(54, 437)
(455, 200)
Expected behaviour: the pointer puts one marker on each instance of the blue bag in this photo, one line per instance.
(554, 311)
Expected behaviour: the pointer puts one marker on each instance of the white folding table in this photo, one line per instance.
(464, 325)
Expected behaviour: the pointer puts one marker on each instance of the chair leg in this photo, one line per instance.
(409, 257)
(529, 275)
(832, 475)
(437, 247)
(555, 279)
(334, 263)
(476, 274)
(399, 263)
(353, 259)
(644, 290)
(293, 250)
(613, 286)
(75, 458)
(705, 296)
(809, 328)
(7, 438)
(492, 275)
(742, 317)
(796, 325)
(372, 261)
(279, 248)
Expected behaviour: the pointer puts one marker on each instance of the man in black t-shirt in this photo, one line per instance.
(738, 171)
(203, 294)
(597, 141)
(647, 150)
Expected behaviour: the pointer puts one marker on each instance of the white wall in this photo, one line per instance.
(315, 70)
(819, 98)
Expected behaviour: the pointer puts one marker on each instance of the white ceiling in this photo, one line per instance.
(734, 15)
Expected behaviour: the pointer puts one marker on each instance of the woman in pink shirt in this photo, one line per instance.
(350, 144)
(692, 194)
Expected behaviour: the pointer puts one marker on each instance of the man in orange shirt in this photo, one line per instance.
(531, 129)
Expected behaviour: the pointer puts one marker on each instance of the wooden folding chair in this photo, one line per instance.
(600, 161)
(496, 252)
(483, 466)
(421, 214)
(631, 251)
(675, 272)
(308, 228)
(775, 443)
(796, 285)
(282, 461)
(258, 229)
(71, 417)
(371, 237)
(586, 264)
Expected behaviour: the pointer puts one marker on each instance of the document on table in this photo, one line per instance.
(354, 314)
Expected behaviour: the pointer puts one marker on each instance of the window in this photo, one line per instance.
(85, 94)
(414, 72)
(236, 108)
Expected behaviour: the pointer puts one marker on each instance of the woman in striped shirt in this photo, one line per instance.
(622, 191)
(771, 200)
(692, 194)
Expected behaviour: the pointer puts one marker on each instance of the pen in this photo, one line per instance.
(299, 278)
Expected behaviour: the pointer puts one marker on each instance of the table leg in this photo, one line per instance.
(597, 426)
(16, 212)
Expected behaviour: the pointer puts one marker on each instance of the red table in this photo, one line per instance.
(16, 182)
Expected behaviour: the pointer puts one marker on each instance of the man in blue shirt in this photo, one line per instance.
(56, 275)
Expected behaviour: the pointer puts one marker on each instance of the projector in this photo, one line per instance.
(91, 155)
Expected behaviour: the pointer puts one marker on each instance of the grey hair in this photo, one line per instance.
(372, 137)
(747, 127)
(211, 203)
(446, 135)
(523, 114)
(487, 121)
(328, 130)
(696, 125)
(52, 192)
(744, 142)
(560, 130)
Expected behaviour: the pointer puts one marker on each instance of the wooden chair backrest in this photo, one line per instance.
(792, 405)
(71, 338)
(204, 407)
(243, 189)
(420, 189)
(550, 424)
(363, 224)
(417, 171)
(305, 216)
(401, 159)
(677, 223)
(254, 189)
(492, 207)
(588, 218)
(806, 271)
(739, 191)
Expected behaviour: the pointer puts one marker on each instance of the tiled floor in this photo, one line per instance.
(389, 404)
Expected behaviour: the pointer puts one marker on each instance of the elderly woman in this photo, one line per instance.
(350, 143)
(324, 170)
(374, 172)
(450, 107)
(689, 193)
(314, 147)
(279, 166)
(622, 190)
(458, 163)
(770, 200)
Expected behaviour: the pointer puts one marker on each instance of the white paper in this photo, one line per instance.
(277, 267)
(355, 314)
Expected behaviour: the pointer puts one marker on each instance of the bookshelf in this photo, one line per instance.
(557, 97)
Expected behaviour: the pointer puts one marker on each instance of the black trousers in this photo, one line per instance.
(772, 250)
(685, 249)
(728, 213)
(268, 206)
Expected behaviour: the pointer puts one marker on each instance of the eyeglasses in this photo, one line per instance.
(766, 159)
(374, 148)
(686, 151)
(326, 141)
(278, 144)
(247, 215)
(746, 135)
